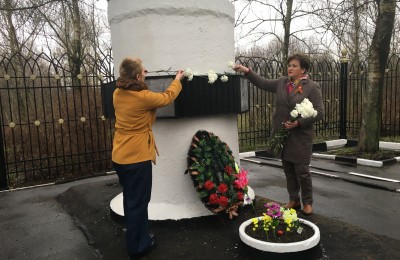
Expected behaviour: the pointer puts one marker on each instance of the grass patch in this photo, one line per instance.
(352, 153)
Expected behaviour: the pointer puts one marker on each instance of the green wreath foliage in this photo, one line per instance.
(214, 173)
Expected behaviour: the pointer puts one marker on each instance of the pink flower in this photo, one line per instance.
(242, 180)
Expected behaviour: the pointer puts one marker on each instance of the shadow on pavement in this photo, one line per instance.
(213, 236)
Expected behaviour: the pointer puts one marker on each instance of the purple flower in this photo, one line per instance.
(273, 209)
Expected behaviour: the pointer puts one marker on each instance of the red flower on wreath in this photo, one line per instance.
(223, 201)
(213, 199)
(222, 188)
(209, 185)
(228, 170)
(240, 195)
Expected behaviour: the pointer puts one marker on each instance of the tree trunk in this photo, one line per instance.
(356, 39)
(18, 104)
(76, 50)
(377, 60)
(287, 20)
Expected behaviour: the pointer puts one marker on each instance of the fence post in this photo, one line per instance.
(343, 95)
(3, 173)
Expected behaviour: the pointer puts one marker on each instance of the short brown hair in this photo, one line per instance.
(302, 58)
(130, 67)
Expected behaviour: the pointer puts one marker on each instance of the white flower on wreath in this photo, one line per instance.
(212, 76)
(224, 78)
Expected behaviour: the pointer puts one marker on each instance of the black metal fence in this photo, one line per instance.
(343, 86)
(52, 126)
(51, 129)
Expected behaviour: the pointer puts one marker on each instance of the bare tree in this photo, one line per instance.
(377, 60)
(282, 20)
(20, 30)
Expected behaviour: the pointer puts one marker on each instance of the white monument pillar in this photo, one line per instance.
(173, 35)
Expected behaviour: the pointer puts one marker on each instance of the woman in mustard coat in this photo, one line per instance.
(134, 147)
(297, 151)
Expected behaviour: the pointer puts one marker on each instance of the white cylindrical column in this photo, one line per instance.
(172, 35)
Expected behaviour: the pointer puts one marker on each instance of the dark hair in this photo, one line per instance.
(130, 67)
(302, 58)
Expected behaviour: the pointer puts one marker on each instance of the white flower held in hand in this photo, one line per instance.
(294, 113)
(305, 109)
(231, 65)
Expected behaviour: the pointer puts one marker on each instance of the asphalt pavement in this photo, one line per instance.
(360, 200)
(357, 217)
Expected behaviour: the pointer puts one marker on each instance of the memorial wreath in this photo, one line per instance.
(215, 174)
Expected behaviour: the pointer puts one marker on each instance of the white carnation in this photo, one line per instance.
(305, 109)
(224, 78)
(188, 73)
(294, 113)
(231, 65)
(212, 76)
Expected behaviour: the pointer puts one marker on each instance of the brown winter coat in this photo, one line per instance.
(298, 148)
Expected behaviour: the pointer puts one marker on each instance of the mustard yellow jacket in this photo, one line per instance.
(135, 113)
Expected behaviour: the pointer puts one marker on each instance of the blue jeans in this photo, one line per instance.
(136, 181)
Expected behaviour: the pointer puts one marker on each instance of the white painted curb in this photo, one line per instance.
(335, 143)
(389, 146)
(247, 154)
(369, 162)
(324, 156)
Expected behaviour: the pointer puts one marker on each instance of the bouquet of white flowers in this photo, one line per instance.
(305, 110)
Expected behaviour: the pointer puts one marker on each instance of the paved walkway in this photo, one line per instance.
(72, 221)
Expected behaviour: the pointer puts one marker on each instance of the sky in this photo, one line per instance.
(103, 4)
(240, 42)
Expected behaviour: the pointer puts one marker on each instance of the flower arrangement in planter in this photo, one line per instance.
(222, 187)
(277, 224)
(279, 230)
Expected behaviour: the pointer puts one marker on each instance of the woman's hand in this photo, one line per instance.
(290, 125)
(179, 75)
(241, 68)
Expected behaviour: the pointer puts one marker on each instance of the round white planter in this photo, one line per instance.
(280, 247)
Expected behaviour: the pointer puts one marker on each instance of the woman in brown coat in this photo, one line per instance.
(134, 148)
(296, 153)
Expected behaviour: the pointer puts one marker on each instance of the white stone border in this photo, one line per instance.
(280, 247)
(335, 143)
(175, 211)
